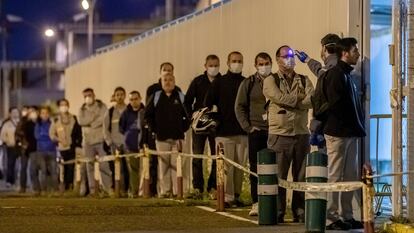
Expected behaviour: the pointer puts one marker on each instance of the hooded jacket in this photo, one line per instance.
(130, 125)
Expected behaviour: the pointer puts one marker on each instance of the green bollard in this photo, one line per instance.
(267, 186)
(316, 172)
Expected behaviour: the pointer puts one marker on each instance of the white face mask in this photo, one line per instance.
(33, 116)
(88, 100)
(289, 62)
(264, 70)
(236, 67)
(213, 71)
(63, 109)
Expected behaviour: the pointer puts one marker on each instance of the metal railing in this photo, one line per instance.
(159, 28)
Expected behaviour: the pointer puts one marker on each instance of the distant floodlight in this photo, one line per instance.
(85, 4)
(49, 32)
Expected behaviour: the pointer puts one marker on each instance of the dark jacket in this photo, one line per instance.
(44, 143)
(25, 135)
(168, 117)
(154, 88)
(223, 94)
(130, 125)
(345, 114)
(196, 93)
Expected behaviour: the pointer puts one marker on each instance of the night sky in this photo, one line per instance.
(26, 40)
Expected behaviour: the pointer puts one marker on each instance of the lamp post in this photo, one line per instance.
(89, 5)
(49, 34)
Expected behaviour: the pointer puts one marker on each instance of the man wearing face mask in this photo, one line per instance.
(67, 133)
(8, 137)
(344, 126)
(222, 96)
(328, 55)
(289, 96)
(330, 59)
(194, 100)
(251, 114)
(91, 116)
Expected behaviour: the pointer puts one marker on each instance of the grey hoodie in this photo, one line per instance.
(91, 119)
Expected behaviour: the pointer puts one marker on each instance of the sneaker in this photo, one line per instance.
(255, 209)
(355, 224)
(299, 219)
(339, 225)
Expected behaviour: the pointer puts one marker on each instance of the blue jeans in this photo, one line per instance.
(45, 163)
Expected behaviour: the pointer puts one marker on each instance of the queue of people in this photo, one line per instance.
(242, 115)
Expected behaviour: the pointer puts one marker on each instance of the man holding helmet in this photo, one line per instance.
(194, 101)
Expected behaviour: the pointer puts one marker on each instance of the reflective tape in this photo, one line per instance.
(316, 171)
(267, 189)
(321, 187)
(267, 169)
(315, 195)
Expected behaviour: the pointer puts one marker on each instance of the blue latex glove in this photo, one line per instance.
(317, 140)
(302, 56)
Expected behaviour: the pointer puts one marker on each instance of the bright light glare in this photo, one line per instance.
(85, 4)
(49, 32)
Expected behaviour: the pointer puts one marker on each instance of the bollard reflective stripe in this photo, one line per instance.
(267, 186)
(315, 209)
(267, 169)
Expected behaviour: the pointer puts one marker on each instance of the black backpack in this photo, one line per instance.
(319, 99)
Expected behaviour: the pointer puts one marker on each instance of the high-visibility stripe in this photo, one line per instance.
(315, 195)
(316, 171)
(267, 169)
(267, 189)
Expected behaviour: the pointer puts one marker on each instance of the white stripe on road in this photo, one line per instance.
(227, 214)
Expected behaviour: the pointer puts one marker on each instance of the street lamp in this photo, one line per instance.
(49, 33)
(89, 5)
(85, 4)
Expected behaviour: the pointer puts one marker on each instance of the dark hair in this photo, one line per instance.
(345, 45)
(330, 41)
(234, 52)
(62, 100)
(280, 48)
(166, 63)
(135, 92)
(88, 89)
(262, 55)
(212, 57)
(119, 89)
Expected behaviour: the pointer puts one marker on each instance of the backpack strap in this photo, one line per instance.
(157, 95)
(111, 114)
